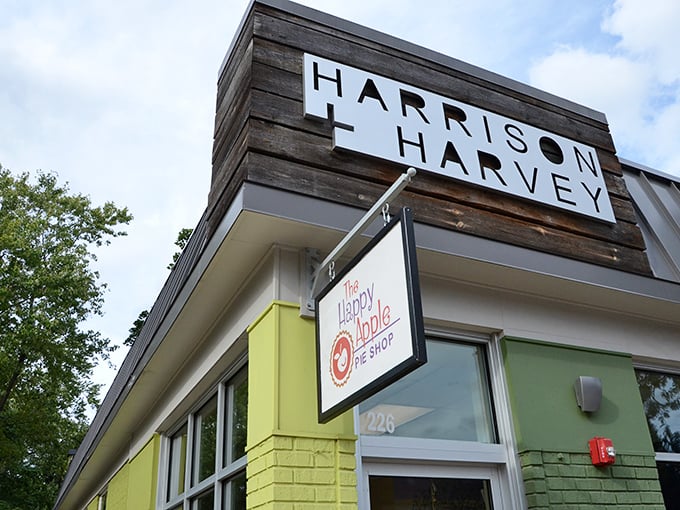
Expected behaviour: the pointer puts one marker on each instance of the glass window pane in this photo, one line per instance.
(669, 476)
(205, 441)
(234, 493)
(447, 398)
(240, 420)
(205, 501)
(236, 420)
(178, 456)
(661, 399)
(407, 493)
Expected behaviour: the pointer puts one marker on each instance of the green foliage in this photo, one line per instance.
(182, 240)
(661, 400)
(136, 328)
(47, 290)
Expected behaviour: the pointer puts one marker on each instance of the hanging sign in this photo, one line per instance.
(394, 121)
(369, 321)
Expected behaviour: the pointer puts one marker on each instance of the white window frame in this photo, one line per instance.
(224, 391)
(497, 462)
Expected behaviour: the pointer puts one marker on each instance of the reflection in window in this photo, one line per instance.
(178, 455)
(415, 493)
(236, 423)
(205, 425)
(235, 492)
(447, 398)
(661, 400)
(204, 502)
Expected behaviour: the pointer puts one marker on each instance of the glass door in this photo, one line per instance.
(421, 487)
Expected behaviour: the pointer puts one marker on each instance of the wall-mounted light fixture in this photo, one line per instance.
(588, 393)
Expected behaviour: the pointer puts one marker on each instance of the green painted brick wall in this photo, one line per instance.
(556, 480)
(541, 379)
(553, 433)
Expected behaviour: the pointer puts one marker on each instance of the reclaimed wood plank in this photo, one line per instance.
(445, 81)
(261, 135)
(232, 98)
(283, 80)
(312, 150)
(444, 213)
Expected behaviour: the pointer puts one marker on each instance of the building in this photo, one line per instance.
(546, 264)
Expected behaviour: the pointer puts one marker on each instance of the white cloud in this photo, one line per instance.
(649, 31)
(636, 83)
(614, 85)
(598, 80)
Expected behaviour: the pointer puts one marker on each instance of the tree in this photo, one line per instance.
(182, 240)
(661, 400)
(47, 290)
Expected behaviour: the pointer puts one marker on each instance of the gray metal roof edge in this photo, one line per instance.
(649, 170)
(356, 29)
(241, 24)
(157, 324)
(285, 204)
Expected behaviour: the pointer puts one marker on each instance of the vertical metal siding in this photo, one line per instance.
(656, 197)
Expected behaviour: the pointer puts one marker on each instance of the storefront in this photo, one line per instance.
(546, 266)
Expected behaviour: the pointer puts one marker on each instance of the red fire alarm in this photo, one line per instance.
(602, 451)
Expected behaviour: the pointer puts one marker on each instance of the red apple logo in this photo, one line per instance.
(341, 358)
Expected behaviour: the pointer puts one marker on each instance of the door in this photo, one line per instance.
(421, 487)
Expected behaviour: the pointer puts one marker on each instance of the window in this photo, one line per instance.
(660, 394)
(434, 437)
(388, 492)
(205, 457)
(426, 487)
(448, 398)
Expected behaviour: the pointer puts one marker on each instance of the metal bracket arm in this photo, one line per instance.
(362, 224)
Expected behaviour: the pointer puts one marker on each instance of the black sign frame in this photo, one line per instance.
(404, 221)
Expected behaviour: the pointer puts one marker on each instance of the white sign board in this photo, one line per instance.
(381, 117)
(369, 322)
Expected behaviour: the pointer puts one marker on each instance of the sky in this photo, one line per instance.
(118, 98)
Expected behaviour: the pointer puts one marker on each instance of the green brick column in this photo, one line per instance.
(293, 461)
(552, 432)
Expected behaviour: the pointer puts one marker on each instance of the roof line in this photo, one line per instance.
(649, 170)
(418, 51)
(312, 210)
(160, 318)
